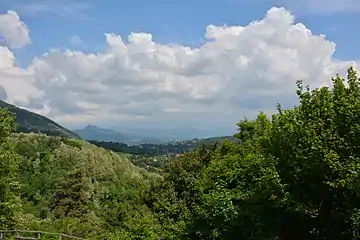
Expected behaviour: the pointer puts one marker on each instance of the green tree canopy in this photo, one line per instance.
(9, 185)
(292, 176)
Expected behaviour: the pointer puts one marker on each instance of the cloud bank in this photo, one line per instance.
(238, 71)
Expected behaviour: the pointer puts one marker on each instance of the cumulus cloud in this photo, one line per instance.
(17, 83)
(13, 31)
(238, 71)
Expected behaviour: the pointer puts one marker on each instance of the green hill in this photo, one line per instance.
(32, 122)
(71, 186)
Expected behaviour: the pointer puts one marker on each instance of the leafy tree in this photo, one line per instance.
(294, 176)
(240, 193)
(172, 200)
(318, 151)
(70, 198)
(10, 205)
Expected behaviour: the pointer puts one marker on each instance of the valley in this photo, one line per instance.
(147, 152)
(179, 120)
(266, 182)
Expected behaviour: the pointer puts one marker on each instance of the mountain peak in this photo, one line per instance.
(88, 127)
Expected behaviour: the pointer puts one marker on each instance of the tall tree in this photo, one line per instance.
(295, 176)
(10, 204)
(317, 145)
(71, 198)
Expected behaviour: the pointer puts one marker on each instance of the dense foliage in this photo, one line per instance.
(151, 150)
(294, 175)
(146, 149)
(152, 164)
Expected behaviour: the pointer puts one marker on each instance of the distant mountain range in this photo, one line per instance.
(32, 122)
(91, 132)
(165, 133)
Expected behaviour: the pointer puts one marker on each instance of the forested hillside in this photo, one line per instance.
(31, 122)
(170, 148)
(153, 157)
(294, 175)
(64, 185)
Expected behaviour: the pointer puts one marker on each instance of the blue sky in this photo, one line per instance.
(168, 21)
(81, 25)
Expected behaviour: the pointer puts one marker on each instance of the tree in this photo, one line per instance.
(71, 198)
(10, 204)
(294, 176)
(240, 193)
(317, 145)
(172, 200)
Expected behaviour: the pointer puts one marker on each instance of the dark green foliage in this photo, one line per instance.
(173, 199)
(70, 199)
(151, 150)
(10, 205)
(317, 147)
(295, 176)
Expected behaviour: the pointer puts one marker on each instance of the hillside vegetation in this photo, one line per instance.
(64, 185)
(294, 175)
(153, 157)
(31, 122)
(170, 148)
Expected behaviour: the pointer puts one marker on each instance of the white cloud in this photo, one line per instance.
(238, 71)
(17, 84)
(13, 31)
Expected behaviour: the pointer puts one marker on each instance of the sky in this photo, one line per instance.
(181, 65)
